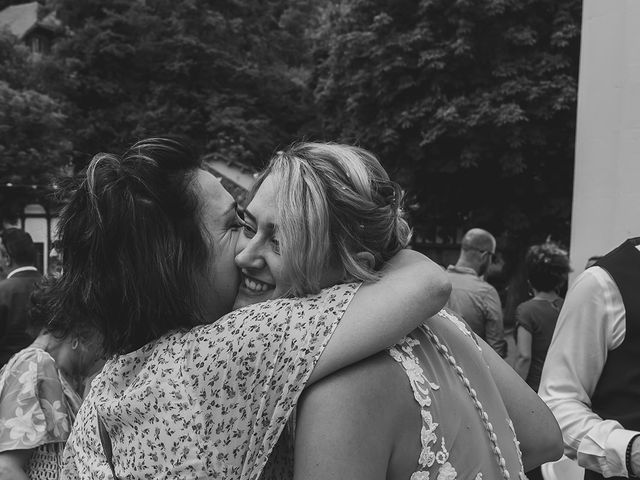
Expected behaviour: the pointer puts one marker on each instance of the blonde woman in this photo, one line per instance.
(440, 403)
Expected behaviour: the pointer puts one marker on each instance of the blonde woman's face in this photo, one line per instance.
(258, 250)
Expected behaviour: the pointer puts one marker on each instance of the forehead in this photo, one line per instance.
(214, 198)
(263, 203)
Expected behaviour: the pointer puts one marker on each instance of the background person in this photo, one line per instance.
(591, 377)
(19, 253)
(148, 242)
(473, 297)
(364, 421)
(547, 267)
(40, 394)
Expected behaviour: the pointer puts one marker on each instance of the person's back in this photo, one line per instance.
(547, 267)
(15, 293)
(471, 296)
(440, 413)
(468, 296)
(539, 316)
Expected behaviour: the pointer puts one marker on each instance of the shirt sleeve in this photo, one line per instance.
(252, 366)
(590, 324)
(83, 457)
(494, 327)
(33, 408)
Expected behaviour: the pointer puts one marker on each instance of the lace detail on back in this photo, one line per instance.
(403, 353)
(444, 351)
(460, 324)
(522, 476)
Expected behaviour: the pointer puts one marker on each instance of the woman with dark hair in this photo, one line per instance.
(40, 394)
(148, 243)
(547, 267)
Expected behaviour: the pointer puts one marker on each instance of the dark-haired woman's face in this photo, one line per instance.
(220, 282)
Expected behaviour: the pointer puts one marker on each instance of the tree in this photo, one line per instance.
(33, 136)
(221, 73)
(471, 104)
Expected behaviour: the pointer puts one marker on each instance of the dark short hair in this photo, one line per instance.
(19, 246)
(132, 246)
(547, 266)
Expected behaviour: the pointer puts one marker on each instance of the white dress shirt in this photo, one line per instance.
(591, 323)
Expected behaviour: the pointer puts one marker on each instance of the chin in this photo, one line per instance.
(243, 300)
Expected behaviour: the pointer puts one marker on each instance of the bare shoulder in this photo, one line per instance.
(374, 391)
(362, 418)
(376, 377)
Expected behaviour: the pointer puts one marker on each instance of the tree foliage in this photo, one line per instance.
(222, 73)
(34, 138)
(472, 103)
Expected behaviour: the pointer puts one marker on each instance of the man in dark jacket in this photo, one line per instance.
(19, 254)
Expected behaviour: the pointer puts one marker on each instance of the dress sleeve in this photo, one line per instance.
(250, 367)
(33, 408)
(524, 319)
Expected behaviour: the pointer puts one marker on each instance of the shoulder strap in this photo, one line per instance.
(106, 446)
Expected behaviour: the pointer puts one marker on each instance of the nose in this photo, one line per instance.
(249, 254)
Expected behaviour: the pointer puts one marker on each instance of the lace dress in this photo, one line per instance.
(37, 410)
(205, 403)
(466, 431)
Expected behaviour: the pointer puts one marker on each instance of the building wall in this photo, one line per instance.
(606, 198)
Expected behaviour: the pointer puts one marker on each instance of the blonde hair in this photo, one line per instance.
(334, 201)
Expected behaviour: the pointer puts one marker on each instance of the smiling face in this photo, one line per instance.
(258, 250)
(263, 272)
(218, 216)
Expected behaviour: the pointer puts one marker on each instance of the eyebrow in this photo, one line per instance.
(270, 226)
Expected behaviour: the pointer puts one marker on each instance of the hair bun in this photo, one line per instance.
(390, 195)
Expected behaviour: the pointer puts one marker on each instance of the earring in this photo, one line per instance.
(74, 344)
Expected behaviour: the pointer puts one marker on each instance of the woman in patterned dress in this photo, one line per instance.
(40, 390)
(148, 241)
(432, 406)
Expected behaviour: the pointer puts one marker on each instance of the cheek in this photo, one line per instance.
(276, 267)
(231, 250)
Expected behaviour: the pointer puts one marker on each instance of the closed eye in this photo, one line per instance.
(247, 229)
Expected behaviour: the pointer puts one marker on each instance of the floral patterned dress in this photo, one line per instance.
(205, 403)
(37, 410)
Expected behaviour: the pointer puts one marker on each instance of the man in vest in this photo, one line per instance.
(591, 376)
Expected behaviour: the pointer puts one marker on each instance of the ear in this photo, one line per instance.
(367, 259)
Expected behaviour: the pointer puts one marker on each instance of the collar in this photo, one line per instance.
(466, 270)
(21, 269)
